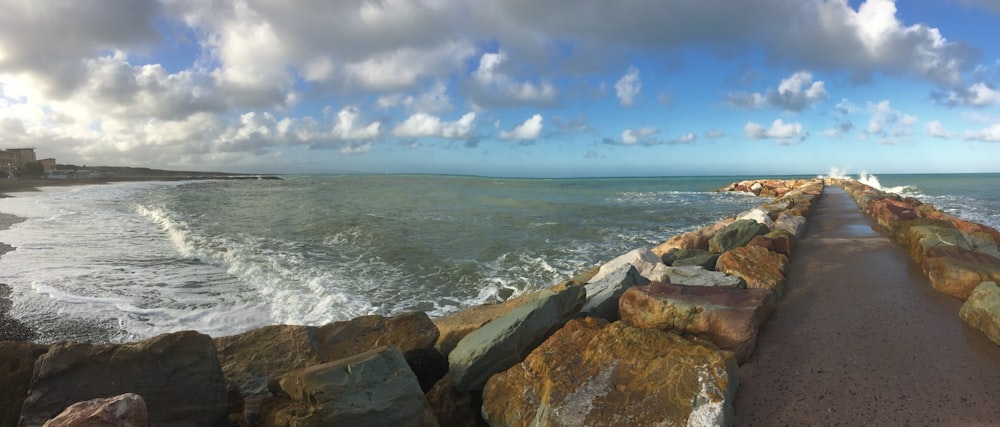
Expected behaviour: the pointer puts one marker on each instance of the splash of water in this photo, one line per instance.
(868, 179)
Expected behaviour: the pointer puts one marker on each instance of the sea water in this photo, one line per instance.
(128, 261)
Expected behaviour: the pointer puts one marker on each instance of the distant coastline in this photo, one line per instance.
(110, 174)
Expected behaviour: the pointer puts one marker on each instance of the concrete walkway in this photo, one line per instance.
(861, 338)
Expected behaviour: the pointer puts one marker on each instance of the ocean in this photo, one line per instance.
(122, 262)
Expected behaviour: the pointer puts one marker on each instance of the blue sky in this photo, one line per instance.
(506, 87)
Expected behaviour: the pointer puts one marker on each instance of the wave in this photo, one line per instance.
(870, 180)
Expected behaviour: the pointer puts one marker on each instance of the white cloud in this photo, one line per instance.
(530, 129)
(885, 121)
(936, 129)
(628, 86)
(494, 87)
(783, 133)
(433, 100)
(404, 67)
(347, 127)
(795, 93)
(425, 125)
(989, 134)
(630, 137)
(648, 136)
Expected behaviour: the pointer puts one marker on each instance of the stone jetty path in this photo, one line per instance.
(861, 338)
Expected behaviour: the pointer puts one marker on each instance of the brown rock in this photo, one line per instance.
(697, 239)
(589, 374)
(757, 266)
(124, 410)
(727, 317)
(177, 374)
(456, 326)
(982, 310)
(955, 271)
(17, 361)
(250, 360)
(887, 211)
(775, 241)
(454, 408)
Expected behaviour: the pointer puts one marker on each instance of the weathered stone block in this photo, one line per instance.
(982, 310)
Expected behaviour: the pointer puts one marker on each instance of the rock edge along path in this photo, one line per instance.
(861, 338)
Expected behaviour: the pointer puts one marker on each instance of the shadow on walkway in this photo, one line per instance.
(861, 338)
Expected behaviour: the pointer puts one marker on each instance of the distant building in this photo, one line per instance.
(24, 155)
(48, 165)
(8, 163)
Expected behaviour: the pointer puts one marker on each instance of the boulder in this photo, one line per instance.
(775, 241)
(603, 294)
(500, 344)
(590, 373)
(454, 408)
(758, 267)
(17, 361)
(698, 276)
(922, 236)
(955, 271)
(177, 374)
(686, 257)
(887, 211)
(373, 388)
(124, 410)
(982, 310)
(697, 239)
(251, 360)
(642, 259)
(729, 318)
(413, 333)
(734, 235)
(761, 215)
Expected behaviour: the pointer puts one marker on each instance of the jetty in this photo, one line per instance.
(831, 303)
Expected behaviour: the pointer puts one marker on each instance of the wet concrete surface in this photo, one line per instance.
(861, 338)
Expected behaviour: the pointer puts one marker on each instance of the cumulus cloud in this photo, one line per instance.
(426, 125)
(783, 133)
(530, 129)
(888, 122)
(648, 136)
(989, 134)
(936, 130)
(628, 86)
(980, 94)
(496, 88)
(405, 67)
(795, 93)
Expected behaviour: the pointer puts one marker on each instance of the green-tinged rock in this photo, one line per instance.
(500, 344)
(697, 276)
(603, 294)
(374, 388)
(590, 373)
(793, 224)
(177, 374)
(734, 235)
(688, 257)
(17, 361)
(982, 310)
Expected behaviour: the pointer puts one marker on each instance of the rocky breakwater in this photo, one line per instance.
(652, 337)
(960, 258)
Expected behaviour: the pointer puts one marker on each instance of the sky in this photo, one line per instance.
(532, 88)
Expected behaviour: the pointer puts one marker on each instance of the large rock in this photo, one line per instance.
(374, 388)
(955, 271)
(454, 408)
(642, 259)
(413, 333)
(698, 276)
(177, 374)
(758, 267)
(734, 235)
(124, 410)
(729, 318)
(761, 215)
(500, 344)
(603, 294)
(697, 239)
(888, 211)
(688, 257)
(589, 374)
(982, 310)
(775, 241)
(252, 360)
(17, 361)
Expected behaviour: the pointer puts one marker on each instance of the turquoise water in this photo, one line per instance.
(127, 261)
